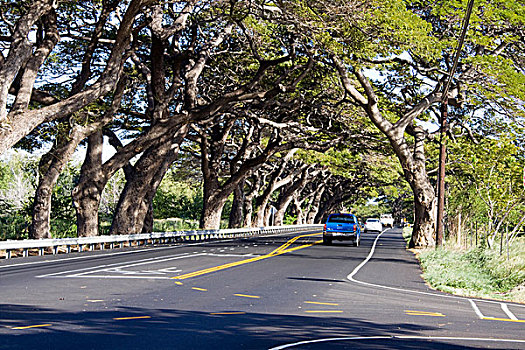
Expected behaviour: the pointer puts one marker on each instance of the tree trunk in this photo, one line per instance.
(93, 179)
(211, 212)
(236, 214)
(288, 194)
(298, 207)
(282, 206)
(248, 212)
(88, 192)
(314, 207)
(263, 212)
(425, 204)
(51, 166)
(40, 225)
(411, 157)
(424, 222)
(148, 220)
(138, 193)
(133, 205)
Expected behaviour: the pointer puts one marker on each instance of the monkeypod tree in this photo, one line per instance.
(393, 58)
(23, 57)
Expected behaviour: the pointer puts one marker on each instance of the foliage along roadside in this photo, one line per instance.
(478, 272)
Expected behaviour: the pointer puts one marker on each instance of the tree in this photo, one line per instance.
(393, 59)
(487, 183)
(19, 70)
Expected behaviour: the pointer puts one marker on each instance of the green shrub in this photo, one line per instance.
(174, 224)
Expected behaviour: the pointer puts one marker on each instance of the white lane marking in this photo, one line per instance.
(234, 255)
(476, 309)
(118, 276)
(112, 269)
(506, 310)
(372, 250)
(356, 270)
(401, 337)
(118, 267)
(120, 270)
(99, 266)
(170, 270)
(107, 254)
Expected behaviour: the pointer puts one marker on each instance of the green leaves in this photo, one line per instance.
(393, 29)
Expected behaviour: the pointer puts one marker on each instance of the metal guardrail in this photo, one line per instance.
(104, 242)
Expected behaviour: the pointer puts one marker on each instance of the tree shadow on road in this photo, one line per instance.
(179, 329)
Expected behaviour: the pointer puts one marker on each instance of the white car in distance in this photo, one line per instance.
(373, 224)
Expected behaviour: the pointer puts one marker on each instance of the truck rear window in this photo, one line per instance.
(347, 219)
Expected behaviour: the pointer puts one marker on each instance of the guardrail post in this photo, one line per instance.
(68, 248)
(41, 251)
(55, 250)
(25, 253)
(8, 254)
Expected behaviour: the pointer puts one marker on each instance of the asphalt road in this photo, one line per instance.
(276, 292)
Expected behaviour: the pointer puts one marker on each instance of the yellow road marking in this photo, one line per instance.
(276, 252)
(503, 319)
(323, 311)
(319, 303)
(227, 313)
(34, 326)
(247, 296)
(179, 283)
(289, 242)
(131, 318)
(199, 289)
(423, 313)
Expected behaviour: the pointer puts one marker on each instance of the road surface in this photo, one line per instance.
(275, 292)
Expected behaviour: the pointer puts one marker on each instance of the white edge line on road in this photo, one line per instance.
(393, 337)
(476, 309)
(356, 270)
(506, 310)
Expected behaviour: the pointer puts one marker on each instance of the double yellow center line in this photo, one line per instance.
(281, 250)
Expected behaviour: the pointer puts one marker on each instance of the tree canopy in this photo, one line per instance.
(232, 107)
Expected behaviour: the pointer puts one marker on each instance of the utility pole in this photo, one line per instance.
(443, 133)
(441, 174)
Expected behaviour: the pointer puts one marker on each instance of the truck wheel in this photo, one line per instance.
(327, 241)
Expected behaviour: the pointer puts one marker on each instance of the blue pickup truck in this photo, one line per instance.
(342, 227)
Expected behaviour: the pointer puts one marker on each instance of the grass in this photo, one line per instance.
(477, 272)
